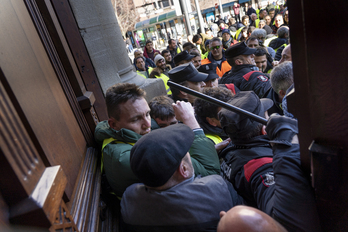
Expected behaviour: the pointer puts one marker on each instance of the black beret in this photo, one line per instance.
(155, 157)
(237, 125)
(210, 69)
(186, 72)
(184, 55)
(239, 49)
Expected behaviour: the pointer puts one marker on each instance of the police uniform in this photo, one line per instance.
(269, 178)
(245, 77)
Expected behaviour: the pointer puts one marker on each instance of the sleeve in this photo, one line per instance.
(117, 167)
(257, 82)
(278, 55)
(271, 52)
(204, 158)
(293, 196)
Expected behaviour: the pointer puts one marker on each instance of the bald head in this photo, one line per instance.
(245, 218)
(286, 54)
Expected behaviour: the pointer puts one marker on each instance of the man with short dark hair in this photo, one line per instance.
(148, 61)
(263, 164)
(188, 46)
(162, 112)
(188, 76)
(262, 14)
(261, 34)
(173, 48)
(199, 40)
(263, 60)
(271, 14)
(142, 70)
(129, 119)
(217, 55)
(197, 59)
(168, 58)
(207, 113)
(149, 51)
(244, 74)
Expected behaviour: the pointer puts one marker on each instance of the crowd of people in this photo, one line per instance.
(180, 163)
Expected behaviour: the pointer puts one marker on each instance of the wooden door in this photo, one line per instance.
(49, 173)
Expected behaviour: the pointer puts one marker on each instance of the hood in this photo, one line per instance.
(103, 131)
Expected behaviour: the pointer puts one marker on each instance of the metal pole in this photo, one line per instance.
(215, 101)
(187, 18)
(221, 11)
(200, 18)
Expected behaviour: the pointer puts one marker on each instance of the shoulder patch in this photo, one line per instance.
(262, 78)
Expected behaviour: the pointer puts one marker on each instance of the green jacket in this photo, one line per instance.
(116, 156)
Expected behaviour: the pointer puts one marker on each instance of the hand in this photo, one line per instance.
(275, 63)
(281, 129)
(222, 145)
(184, 112)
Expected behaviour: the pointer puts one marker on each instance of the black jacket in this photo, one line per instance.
(245, 78)
(250, 11)
(276, 43)
(271, 179)
(277, 105)
(247, 181)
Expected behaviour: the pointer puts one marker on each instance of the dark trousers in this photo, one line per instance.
(237, 18)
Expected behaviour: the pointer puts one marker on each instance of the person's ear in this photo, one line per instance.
(184, 170)
(281, 93)
(113, 123)
(238, 62)
(222, 213)
(211, 121)
(263, 130)
(183, 93)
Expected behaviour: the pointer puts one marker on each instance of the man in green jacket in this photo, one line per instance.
(129, 119)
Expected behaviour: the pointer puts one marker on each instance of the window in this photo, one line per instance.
(165, 3)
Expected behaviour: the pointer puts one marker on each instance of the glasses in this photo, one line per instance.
(216, 47)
